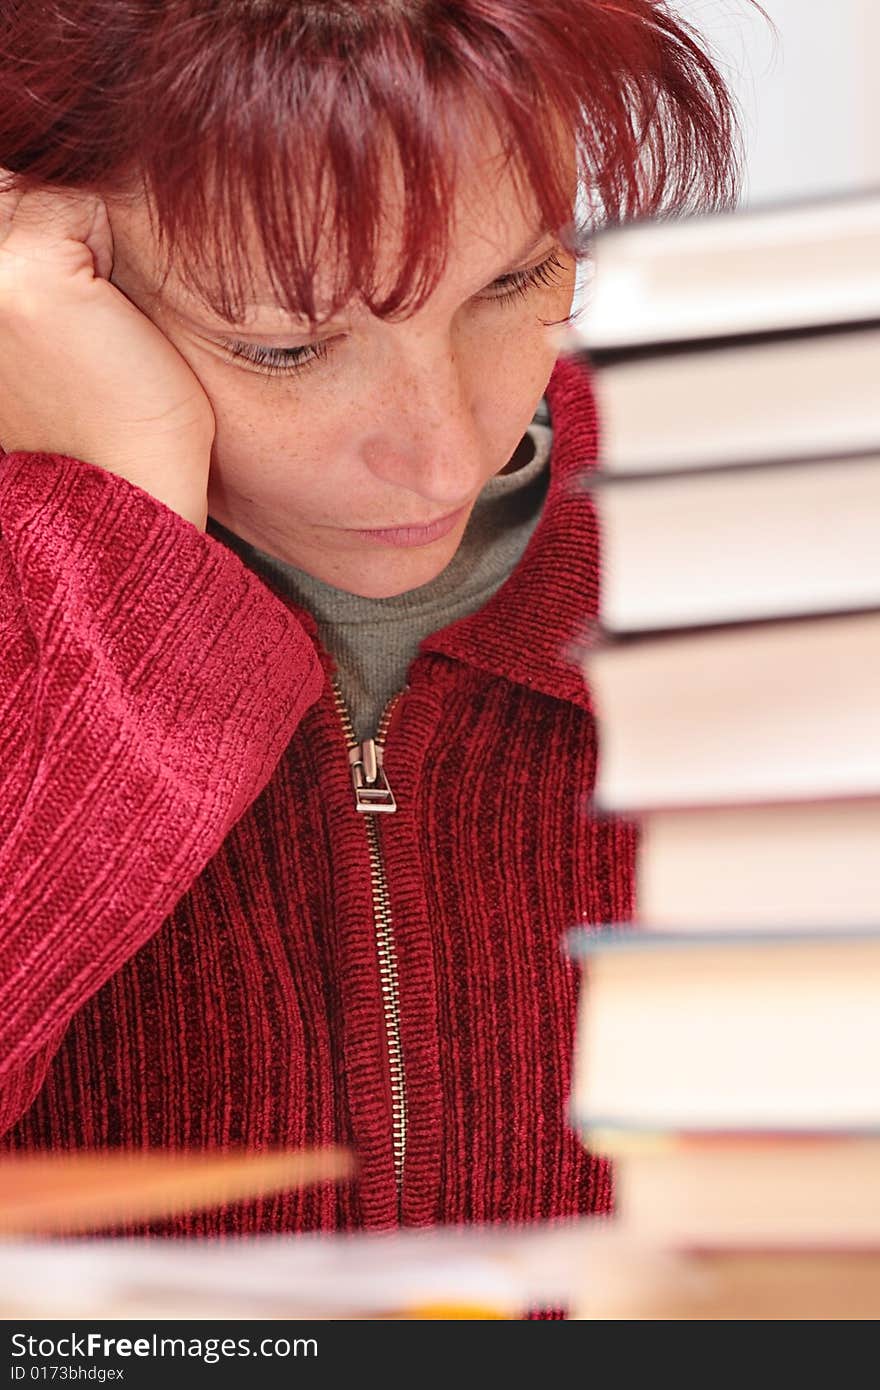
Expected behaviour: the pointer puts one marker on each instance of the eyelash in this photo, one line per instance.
(288, 361)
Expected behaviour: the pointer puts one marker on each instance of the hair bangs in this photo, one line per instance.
(262, 132)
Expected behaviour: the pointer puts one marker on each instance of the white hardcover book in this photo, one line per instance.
(738, 868)
(776, 711)
(748, 1191)
(720, 274)
(770, 400)
(765, 1032)
(693, 549)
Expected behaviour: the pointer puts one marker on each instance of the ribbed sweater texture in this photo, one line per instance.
(188, 943)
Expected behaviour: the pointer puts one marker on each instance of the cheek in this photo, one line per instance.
(261, 425)
(285, 467)
(512, 365)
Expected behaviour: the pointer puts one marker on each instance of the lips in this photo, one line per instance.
(414, 535)
(414, 525)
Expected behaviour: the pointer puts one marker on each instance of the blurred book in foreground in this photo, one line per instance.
(67, 1193)
(730, 1032)
(748, 337)
(641, 1281)
(699, 548)
(799, 865)
(809, 396)
(739, 1191)
(765, 269)
(491, 1271)
(750, 712)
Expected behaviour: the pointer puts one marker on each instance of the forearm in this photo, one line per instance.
(148, 685)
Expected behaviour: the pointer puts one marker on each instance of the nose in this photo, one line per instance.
(426, 441)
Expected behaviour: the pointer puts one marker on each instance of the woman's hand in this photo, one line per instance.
(83, 372)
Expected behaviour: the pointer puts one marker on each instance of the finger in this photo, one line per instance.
(43, 221)
(10, 196)
(99, 240)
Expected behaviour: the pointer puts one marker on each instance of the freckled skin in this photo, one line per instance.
(400, 424)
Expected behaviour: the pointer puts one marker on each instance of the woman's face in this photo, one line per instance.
(385, 424)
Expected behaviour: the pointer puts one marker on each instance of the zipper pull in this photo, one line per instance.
(371, 790)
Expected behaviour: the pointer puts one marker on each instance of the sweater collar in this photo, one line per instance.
(535, 626)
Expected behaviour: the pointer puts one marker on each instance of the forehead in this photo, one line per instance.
(490, 219)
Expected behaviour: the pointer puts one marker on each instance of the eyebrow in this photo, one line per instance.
(223, 326)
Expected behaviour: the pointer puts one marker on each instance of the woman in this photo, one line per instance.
(295, 754)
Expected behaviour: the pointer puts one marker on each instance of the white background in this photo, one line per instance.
(809, 95)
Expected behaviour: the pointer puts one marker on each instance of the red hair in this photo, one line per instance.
(211, 105)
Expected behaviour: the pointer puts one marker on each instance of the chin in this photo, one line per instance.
(388, 579)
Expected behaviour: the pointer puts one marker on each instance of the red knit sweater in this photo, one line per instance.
(189, 898)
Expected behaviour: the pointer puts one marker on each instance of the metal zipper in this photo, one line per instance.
(373, 795)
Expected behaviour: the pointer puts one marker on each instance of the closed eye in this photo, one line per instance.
(520, 282)
(273, 361)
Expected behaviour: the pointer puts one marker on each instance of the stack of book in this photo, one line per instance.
(728, 1054)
